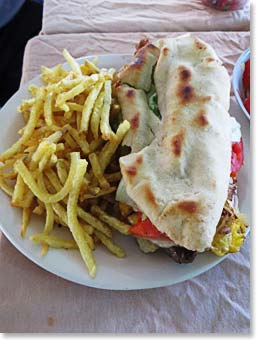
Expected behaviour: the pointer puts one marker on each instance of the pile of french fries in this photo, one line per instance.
(61, 167)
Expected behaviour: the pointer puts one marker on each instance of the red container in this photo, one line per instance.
(225, 5)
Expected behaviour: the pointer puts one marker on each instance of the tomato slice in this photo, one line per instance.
(145, 228)
(237, 157)
(246, 75)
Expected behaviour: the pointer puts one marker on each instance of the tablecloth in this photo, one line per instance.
(33, 300)
(228, 44)
(80, 16)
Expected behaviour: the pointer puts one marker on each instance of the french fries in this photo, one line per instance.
(62, 214)
(83, 144)
(96, 115)
(53, 241)
(57, 169)
(5, 187)
(105, 127)
(110, 245)
(26, 213)
(96, 167)
(89, 68)
(52, 76)
(39, 210)
(49, 219)
(88, 106)
(113, 222)
(74, 91)
(61, 171)
(48, 109)
(44, 196)
(18, 192)
(28, 131)
(97, 224)
(73, 223)
(98, 193)
(73, 64)
(110, 147)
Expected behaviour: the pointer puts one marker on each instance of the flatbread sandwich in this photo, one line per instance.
(185, 150)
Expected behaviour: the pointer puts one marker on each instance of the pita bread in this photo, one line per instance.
(180, 181)
(143, 127)
(143, 122)
(138, 73)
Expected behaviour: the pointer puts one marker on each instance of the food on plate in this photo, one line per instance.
(149, 151)
(65, 164)
(180, 176)
(246, 85)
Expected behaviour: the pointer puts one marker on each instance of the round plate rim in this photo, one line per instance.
(94, 283)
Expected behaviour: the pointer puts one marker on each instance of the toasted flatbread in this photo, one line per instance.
(180, 181)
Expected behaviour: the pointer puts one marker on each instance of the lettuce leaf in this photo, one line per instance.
(153, 101)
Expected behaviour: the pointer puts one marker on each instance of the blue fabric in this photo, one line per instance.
(25, 24)
(8, 9)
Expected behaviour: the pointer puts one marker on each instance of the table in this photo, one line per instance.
(228, 44)
(118, 16)
(33, 300)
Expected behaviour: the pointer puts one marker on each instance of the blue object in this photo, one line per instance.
(8, 9)
(237, 80)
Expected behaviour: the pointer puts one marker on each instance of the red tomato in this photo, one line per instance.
(247, 103)
(237, 157)
(147, 229)
(246, 75)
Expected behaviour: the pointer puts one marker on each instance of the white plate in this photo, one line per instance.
(137, 270)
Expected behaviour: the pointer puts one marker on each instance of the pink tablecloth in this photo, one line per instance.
(33, 300)
(80, 16)
(47, 49)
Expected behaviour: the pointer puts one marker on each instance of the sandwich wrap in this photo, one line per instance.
(180, 180)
